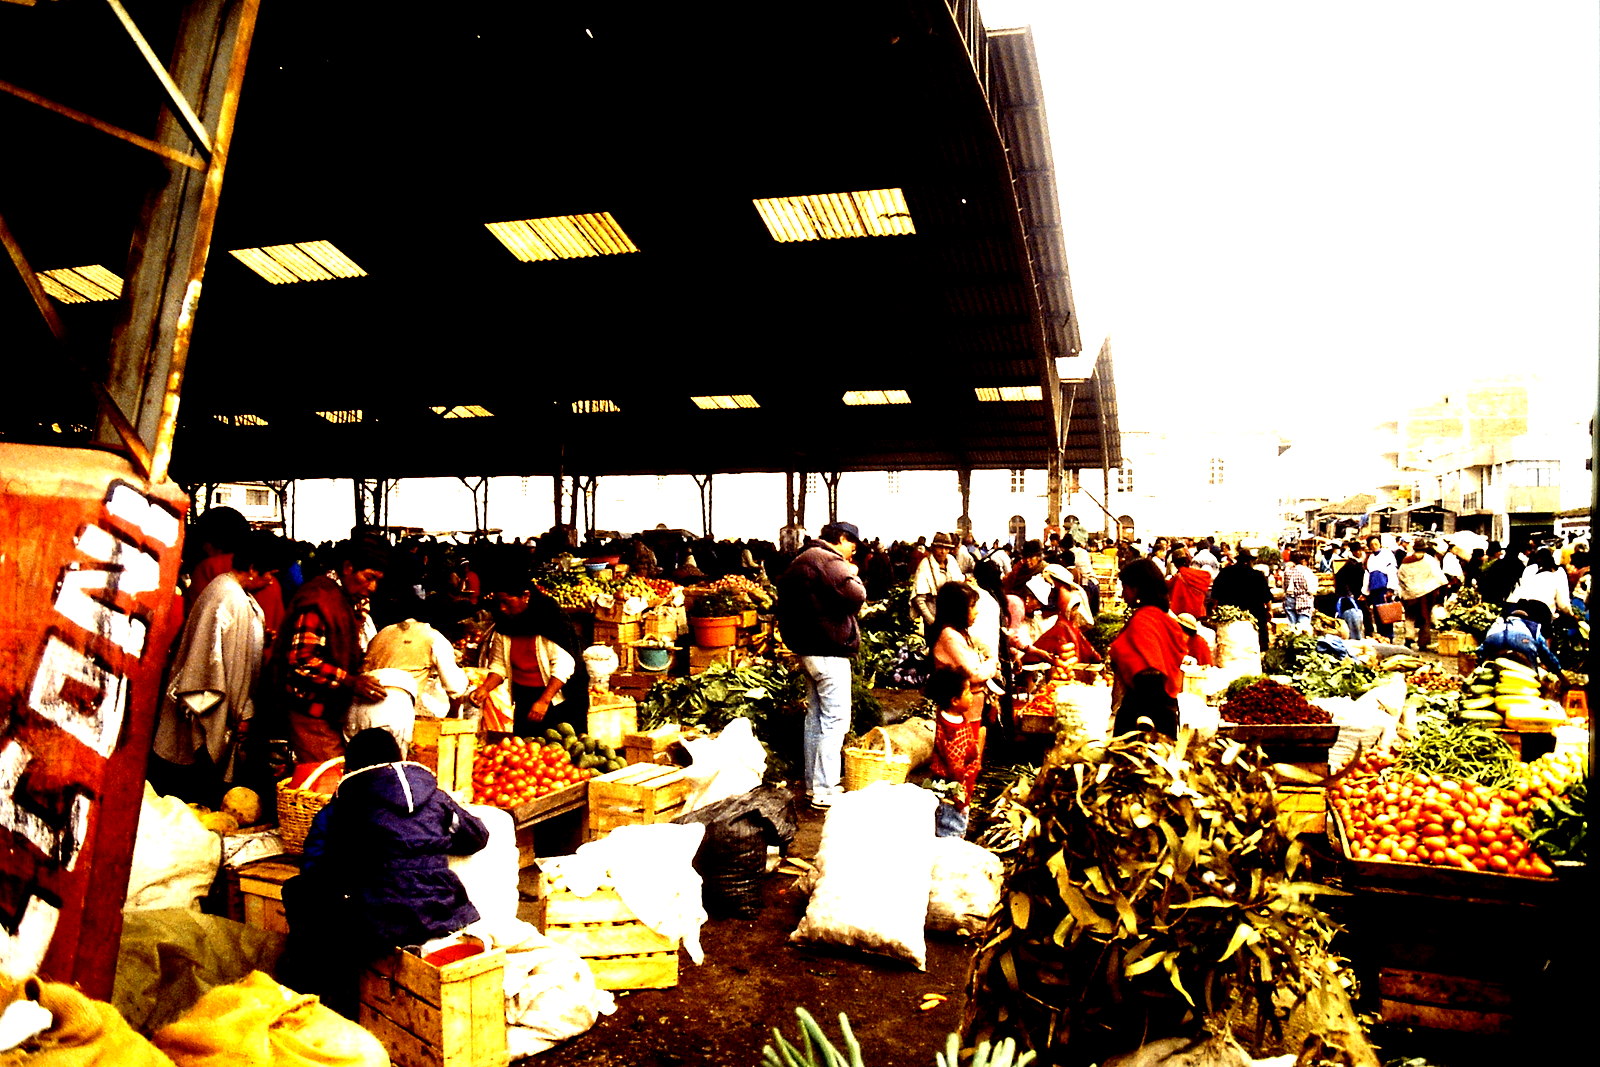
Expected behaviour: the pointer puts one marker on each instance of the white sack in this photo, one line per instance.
(550, 991)
(652, 869)
(490, 874)
(727, 765)
(175, 858)
(1239, 647)
(965, 889)
(875, 868)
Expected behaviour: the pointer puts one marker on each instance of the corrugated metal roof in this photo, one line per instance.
(398, 139)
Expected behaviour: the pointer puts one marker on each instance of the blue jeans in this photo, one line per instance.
(827, 721)
(949, 820)
(1300, 620)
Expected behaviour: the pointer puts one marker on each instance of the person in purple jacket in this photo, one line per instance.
(375, 874)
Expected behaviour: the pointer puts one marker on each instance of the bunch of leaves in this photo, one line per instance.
(1239, 685)
(1288, 652)
(891, 615)
(1464, 752)
(999, 813)
(768, 693)
(884, 651)
(719, 604)
(1569, 640)
(816, 1049)
(1469, 613)
(1559, 827)
(1322, 675)
(1222, 614)
(1153, 892)
(1442, 705)
(1107, 625)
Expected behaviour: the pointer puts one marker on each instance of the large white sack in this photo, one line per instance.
(175, 858)
(966, 884)
(875, 873)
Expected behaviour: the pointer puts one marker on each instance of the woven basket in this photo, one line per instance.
(297, 807)
(863, 766)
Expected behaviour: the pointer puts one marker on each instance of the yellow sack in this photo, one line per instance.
(255, 1022)
(85, 1033)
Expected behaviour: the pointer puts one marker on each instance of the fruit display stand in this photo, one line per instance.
(547, 811)
(1444, 949)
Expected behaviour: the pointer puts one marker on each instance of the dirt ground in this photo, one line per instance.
(722, 1012)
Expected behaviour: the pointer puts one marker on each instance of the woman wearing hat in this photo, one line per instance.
(1063, 606)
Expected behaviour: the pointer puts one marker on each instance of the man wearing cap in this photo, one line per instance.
(819, 597)
(937, 567)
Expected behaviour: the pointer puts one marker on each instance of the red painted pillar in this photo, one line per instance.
(88, 569)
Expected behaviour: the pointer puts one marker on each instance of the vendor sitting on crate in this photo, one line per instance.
(534, 647)
(376, 873)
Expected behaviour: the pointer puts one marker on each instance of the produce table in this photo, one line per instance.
(560, 835)
(1444, 949)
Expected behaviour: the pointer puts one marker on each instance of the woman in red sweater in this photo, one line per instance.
(1188, 589)
(1147, 656)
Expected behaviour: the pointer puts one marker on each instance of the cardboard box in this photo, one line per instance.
(451, 1015)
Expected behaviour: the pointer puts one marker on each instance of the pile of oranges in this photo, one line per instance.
(1394, 816)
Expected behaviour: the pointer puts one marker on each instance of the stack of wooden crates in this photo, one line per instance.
(622, 952)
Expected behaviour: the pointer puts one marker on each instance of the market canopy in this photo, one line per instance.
(582, 238)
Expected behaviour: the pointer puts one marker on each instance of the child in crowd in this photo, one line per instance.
(376, 872)
(957, 747)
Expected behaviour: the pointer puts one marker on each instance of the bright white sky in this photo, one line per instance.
(1282, 203)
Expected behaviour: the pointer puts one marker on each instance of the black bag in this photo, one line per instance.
(732, 860)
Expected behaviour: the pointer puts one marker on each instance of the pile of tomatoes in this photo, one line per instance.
(515, 770)
(1403, 817)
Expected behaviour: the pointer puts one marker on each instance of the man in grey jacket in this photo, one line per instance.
(819, 597)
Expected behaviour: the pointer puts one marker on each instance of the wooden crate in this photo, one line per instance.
(261, 892)
(662, 622)
(1453, 642)
(623, 952)
(1444, 1002)
(652, 745)
(701, 659)
(452, 1015)
(635, 684)
(618, 635)
(446, 747)
(641, 793)
(1304, 809)
(612, 717)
